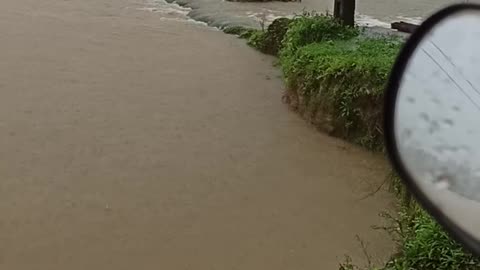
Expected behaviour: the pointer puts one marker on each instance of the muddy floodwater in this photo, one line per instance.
(221, 13)
(135, 138)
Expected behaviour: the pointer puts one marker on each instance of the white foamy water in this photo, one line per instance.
(222, 13)
(415, 20)
(170, 11)
(365, 20)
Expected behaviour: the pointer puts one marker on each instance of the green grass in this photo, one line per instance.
(343, 81)
(235, 30)
(314, 28)
(427, 246)
(424, 245)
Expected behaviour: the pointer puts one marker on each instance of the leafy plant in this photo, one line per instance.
(235, 30)
(343, 79)
(257, 39)
(311, 27)
(269, 41)
(427, 246)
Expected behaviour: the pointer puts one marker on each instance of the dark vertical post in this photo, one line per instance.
(336, 8)
(344, 10)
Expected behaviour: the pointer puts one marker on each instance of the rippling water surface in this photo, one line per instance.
(221, 13)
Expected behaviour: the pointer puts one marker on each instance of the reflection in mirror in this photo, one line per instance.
(437, 118)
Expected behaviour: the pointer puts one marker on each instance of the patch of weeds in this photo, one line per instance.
(269, 41)
(257, 39)
(311, 27)
(235, 30)
(427, 246)
(422, 244)
(343, 79)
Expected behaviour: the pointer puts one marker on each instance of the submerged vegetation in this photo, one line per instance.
(338, 86)
(335, 78)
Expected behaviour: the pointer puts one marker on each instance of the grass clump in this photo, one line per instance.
(273, 37)
(338, 85)
(312, 27)
(422, 243)
(235, 30)
(427, 246)
(287, 35)
(269, 41)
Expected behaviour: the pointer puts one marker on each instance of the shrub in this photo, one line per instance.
(287, 35)
(269, 42)
(338, 85)
(235, 30)
(422, 242)
(274, 36)
(312, 28)
(427, 246)
(256, 39)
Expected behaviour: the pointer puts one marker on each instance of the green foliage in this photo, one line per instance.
(257, 39)
(242, 32)
(287, 35)
(312, 28)
(248, 33)
(274, 36)
(343, 81)
(422, 244)
(427, 246)
(269, 41)
(235, 30)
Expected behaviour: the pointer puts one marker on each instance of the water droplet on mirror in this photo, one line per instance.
(407, 133)
(411, 100)
(410, 76)
(434, 126)
(424, 116)
(439, 149)
(456, 108)
(448, 122)
(436, 101)
(476, 174)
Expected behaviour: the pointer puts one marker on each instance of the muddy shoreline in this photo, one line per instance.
(370, 13)
(130, 141)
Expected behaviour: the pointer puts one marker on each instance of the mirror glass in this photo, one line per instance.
(437, 118)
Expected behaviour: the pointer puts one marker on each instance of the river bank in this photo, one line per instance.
(141, 140)
(371, 13)
(335, 77)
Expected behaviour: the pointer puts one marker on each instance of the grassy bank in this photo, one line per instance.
(335, 79)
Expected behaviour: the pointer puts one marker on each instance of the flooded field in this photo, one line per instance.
(220, 13)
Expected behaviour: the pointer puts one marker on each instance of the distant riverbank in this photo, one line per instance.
(221, 13)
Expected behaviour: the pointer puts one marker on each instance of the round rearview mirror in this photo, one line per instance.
(432, 119)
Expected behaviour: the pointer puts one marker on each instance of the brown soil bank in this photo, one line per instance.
(129, 142)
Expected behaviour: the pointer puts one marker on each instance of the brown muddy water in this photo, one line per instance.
(141, 140)
(221, 13)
